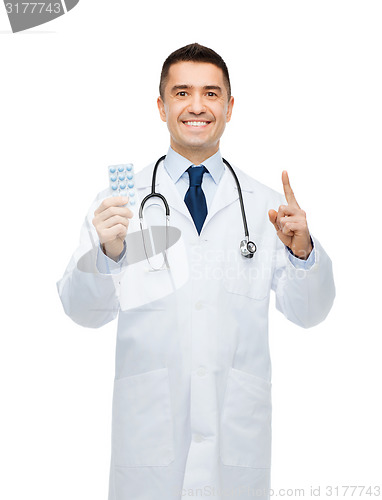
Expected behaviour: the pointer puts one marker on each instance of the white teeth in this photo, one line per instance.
(196, 124)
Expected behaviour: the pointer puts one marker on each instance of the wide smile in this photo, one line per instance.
(196, 123)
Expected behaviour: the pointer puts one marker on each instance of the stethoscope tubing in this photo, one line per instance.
(155, 194)
(246, 232)
(247, 248)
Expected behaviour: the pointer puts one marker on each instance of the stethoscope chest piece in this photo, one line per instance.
(247, 249)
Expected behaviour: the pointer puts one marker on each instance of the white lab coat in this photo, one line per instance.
(191, 410)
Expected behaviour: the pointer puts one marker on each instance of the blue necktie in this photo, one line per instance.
(194, 198)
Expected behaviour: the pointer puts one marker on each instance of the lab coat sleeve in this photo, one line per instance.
(300, 263)
(88, 291)
(304, 294)
(105, 265)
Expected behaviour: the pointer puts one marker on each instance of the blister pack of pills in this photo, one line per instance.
(122, 181)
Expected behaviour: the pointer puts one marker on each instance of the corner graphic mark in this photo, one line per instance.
(26, 15)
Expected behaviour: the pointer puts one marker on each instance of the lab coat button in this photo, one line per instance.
(199, 305)
(201, 372)
(198, 438)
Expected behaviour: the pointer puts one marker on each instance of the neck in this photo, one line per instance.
(196, 155)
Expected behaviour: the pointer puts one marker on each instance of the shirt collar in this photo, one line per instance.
(176, 165)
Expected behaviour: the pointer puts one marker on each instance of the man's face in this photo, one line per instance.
(196, 107)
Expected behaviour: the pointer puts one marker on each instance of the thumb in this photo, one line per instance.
(272, 214)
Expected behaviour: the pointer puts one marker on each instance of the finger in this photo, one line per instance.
(287, 210)
(289, 195)
(289, 228)
(113, 221)
(272, 214)
(113, 201)
(284, 213)
(110, 234)
(112, 211)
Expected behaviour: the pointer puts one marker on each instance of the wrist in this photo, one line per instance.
(304, 253)
(112, 250)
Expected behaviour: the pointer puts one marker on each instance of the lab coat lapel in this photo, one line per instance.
(173, 196)
(227, 193)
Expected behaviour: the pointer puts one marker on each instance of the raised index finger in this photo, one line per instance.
(289, 194)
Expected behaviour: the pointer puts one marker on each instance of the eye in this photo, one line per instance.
(182, 93)
(211, 94)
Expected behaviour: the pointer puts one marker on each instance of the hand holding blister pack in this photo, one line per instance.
(148, 240)
(111, 218)
(122, 183)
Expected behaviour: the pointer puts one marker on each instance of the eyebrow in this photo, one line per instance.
(206, 87)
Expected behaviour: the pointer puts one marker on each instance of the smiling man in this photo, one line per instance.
(192, 390)
(195, 102)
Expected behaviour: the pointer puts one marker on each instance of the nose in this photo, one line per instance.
(196, 105)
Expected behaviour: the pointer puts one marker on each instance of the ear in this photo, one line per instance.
(229, 109)
(161, 107)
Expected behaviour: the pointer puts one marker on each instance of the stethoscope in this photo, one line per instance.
(247, 247)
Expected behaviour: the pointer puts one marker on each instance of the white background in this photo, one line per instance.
(78, 94)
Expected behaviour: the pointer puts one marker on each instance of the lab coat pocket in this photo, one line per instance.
(246, 421)
(142, 433)
(248, 277)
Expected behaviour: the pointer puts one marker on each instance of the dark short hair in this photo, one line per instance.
(194, 53)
